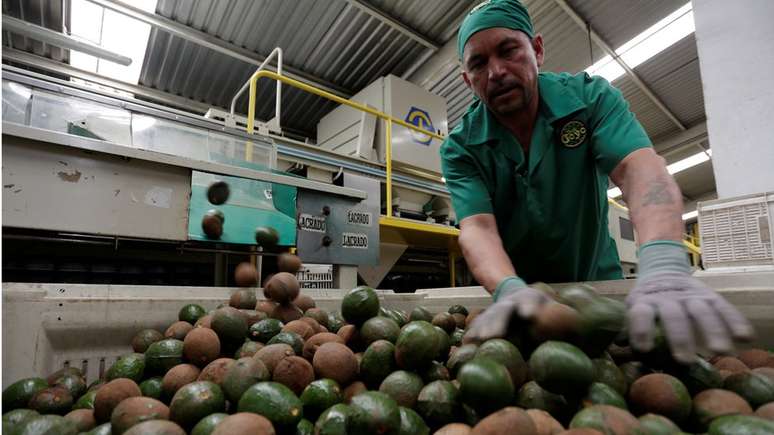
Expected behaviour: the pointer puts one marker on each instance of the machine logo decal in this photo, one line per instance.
(573, 134)
(421, 119)
(308, 222)
(354, 240)
(356, 217)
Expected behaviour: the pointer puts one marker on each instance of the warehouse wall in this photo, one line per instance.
(734, 41)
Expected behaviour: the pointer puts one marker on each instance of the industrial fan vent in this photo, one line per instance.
(737, 232)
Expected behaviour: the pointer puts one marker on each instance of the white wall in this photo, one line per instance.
(735, 42)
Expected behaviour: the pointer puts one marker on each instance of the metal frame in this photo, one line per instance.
(395, 24)
(286, 147)
(95, 145)
(278, 96)
(61, 40)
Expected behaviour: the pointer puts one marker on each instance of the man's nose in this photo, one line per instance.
(496, 69)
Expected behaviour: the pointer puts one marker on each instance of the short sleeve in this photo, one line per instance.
(463, 179)
(615, 130)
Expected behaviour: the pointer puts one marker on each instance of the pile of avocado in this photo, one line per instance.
(284, 366)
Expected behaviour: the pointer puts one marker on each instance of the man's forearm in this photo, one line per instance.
(485, 256)
(654, 199)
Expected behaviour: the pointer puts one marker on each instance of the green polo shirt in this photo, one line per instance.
(550, 205)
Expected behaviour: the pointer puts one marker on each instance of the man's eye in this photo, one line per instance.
(510, 50)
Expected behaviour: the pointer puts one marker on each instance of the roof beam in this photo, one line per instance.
(214, 43)
(42, 63)
(395, 24)
(609, 50)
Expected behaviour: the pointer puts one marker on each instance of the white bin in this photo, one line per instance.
(49, 326)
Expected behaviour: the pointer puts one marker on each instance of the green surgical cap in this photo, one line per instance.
(510, 14)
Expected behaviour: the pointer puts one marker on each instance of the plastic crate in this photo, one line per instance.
(737, 232)
(50, 326)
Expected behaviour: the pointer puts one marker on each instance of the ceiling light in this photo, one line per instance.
(688, 162)
(690, 215)
(647, 44)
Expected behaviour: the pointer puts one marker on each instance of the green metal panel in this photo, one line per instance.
(251, 204)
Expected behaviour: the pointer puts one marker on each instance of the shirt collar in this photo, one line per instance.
(556, 102)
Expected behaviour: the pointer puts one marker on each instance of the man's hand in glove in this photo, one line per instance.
(512, 299)
(685, 306)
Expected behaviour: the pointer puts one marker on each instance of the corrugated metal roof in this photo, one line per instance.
(675, 77)
(618, 21)
(331, 40)
(46, 13)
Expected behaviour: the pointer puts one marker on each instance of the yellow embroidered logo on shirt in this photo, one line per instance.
(573, 134)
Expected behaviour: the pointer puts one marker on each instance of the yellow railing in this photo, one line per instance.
(389, 120)
(688, 241)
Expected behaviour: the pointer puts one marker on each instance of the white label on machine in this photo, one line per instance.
(308, 222)
(267, 193)
(315, 276)
(357, 217)
(354, 240)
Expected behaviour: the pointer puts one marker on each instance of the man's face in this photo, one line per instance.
(501, 66)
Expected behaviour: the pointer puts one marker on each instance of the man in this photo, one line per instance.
(528, 168)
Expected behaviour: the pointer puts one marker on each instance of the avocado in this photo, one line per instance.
(379, 328)
(18, 394)
(163, 355)
(359, 305)
(135, 410)
(373, 412)
(404, 387)
(319, 396)
(333, 421)
(417, 345)
(206, 426)
(609, 420)
(411, 423)
(130, 366)
(378, 362)
(241, 375)
(740, 425)
(273, 401)
(295, 341)
(439, 403)
(561, 368)
(603, 394)
(504, 352)
(195, 401)
(662, 394)
(485, 384)
(191, 313)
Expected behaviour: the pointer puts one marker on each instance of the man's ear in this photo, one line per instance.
(466, 79)
(537, 45)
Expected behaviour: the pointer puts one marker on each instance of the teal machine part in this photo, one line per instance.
(251, 204)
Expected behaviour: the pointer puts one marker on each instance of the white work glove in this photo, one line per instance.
(684, 305)
(512, 299)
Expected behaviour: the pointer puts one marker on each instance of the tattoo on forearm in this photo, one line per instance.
(658, 194)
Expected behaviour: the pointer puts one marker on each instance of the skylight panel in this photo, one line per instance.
(113, 31)
(688, 162)
(647, 44)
